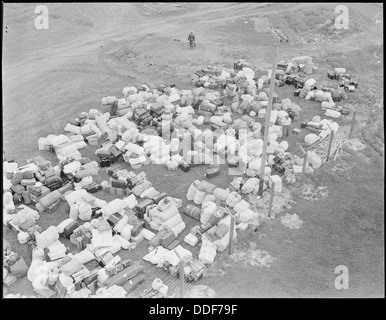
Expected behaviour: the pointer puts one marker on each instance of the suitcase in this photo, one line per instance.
(297, 92)
(54, 183)
(173, 244)
(69, 229)
(156, 240)
(139, 113)
(137, 229)
(184, 166)
(27, 224)
(66, 187)
(114, 219)
(212, 173)
(28, 175)
(118, 183)
(114, 151)
(93, 187)
(104, 162)
(331, 75)
(234, 163)
(9, 279)
(282, 66)
(113, 170)
(96, 213)
(167, 238)
(157, 198)
(221, 231)
(296, 131)
(140, 208)
(49, 173)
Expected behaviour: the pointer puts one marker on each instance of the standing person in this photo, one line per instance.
(191, 39)
(286, 124)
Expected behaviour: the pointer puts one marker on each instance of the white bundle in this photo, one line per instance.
(47, 237)
(74, 196)
(130, 201)
(122, 241)
(121, 224)
(113, 207)
(60, 227)
(208, 209)
(73, 129)
(126, 231)
(84, 210)
(134, 148)
(332, 113)
(173, 221)
(108, 100)
(178, 228)
(207, 253)
(311, 138)
(183, 254)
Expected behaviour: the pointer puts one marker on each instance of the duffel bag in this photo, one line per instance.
(19, 268)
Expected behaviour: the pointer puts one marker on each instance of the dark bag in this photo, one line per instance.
(105, 162)
(114, 219)
(68, 230)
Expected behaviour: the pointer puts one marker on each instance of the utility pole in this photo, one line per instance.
(281, 38)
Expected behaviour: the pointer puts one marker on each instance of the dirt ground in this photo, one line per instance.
(94, 50)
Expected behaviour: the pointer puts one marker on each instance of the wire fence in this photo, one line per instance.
(325, 149)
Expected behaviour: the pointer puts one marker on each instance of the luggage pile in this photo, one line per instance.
(150, 126)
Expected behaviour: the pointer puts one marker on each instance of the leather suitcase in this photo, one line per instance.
(331, 75)
(297, 92)
(173, 244)
(137, 229)
(66, 187)
(184, 166)
(212, 173)
(69, 229)
(114, 219)
(54, 183)
(118, 183)
(167, 238)
(139, 113)
(28, 175)
(159, 197)
(233, 163)
(104, 162)
(140, 208)
(93, 187)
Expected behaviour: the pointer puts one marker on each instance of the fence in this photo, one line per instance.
(326, 149)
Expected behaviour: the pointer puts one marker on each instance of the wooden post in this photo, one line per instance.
(305, 161)
(268, 118)
(330, 145)
(231, 233)
(182, 277)
(352, 124)
(271, 197)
